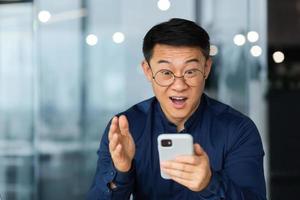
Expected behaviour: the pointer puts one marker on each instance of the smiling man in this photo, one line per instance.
(228, 153)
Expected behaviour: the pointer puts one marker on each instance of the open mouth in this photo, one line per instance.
(178, 100)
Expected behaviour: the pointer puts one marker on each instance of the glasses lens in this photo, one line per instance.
(164, 77)
(192, 77)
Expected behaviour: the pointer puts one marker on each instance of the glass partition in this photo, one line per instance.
(17, 154)
(238, 30)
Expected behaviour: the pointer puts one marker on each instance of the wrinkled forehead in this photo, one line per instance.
(176, 54)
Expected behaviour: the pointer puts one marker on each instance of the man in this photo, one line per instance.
(228, 159)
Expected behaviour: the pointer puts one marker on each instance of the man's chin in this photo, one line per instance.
(179, 115)
(176, 114)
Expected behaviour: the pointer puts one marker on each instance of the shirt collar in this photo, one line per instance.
(171, 127)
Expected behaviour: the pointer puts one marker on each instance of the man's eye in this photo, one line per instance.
(191, 72)
(166, 73)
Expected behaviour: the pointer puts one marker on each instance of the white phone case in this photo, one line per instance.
(182, 144)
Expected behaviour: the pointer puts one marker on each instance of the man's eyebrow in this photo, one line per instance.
(163, 61)
(186, 62)
(193, 60)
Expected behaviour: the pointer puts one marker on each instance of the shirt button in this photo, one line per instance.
(112, 173)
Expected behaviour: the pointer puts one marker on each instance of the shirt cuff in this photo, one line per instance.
(119, 179)
(213, 187)
(124, 178)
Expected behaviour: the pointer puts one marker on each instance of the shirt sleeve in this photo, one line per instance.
(242, 177)
(107, 173)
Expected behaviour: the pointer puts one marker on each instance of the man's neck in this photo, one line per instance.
(180, 127)
(180, 122)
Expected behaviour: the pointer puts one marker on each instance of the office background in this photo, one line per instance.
(66, 67)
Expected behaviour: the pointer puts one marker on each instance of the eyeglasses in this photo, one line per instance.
(166, 77)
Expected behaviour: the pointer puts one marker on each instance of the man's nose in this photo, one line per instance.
(179, 83)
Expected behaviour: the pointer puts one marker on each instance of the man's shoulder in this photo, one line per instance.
(138, 115)
(232, 124)
(140, 109)
(224, 112)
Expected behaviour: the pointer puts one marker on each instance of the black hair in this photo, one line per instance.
(176, 32)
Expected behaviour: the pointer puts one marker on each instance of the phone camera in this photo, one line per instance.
(166, 143)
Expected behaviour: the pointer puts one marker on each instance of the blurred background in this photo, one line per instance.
(66, 67)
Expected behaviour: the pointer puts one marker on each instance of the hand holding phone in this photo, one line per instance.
(171, 145)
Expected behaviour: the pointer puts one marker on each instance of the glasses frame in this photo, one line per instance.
(174, 77)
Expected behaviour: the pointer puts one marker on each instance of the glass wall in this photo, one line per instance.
(88, 56)
(238, 30)
(17, 154)
(66, 67)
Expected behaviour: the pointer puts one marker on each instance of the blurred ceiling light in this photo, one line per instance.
(239, 39)
(256, 51)
(44, 16)
(278, 57)
(163, 4)
(91, 39)
(213, 50)
(252, 36)
(118, 37)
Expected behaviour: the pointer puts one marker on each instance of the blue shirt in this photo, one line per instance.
(230, 139)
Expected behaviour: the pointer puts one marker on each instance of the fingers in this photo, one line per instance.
(178, 166)
(192, 171)
(118, 150)
(195, 159)
(123, 124)
(115, 147)
(179, 170)
(118, 125)
(174, 173)
(198, 150)
(114, 126)
(192, 160)
(113, 142)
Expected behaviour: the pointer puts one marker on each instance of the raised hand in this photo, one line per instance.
(121, 143)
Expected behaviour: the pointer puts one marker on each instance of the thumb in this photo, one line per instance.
(123, 124)
(198, 149)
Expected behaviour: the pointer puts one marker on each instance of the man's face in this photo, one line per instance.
(179, 99)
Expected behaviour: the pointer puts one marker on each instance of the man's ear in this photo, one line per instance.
(147, 70)
(207, 67)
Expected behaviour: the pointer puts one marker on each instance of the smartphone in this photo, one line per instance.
(171, 145)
